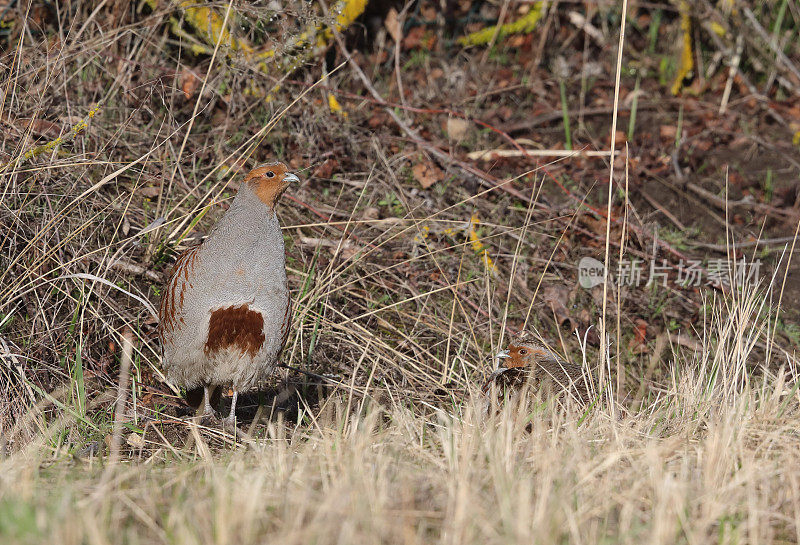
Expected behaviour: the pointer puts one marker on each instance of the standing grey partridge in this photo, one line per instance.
(526, 361)
(225, 313)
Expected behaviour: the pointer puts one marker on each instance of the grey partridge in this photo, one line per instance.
(225, 313)
(526, 361)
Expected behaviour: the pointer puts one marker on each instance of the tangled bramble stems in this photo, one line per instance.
(44, 148)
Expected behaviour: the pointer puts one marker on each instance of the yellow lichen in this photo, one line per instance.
(349, 11)
(423, 233)
(49, 146)
(208, 25)
(687, 57)
(477, 245)
(523, 25)
(334, 106)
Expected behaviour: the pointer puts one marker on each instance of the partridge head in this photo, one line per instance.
(527, 361)
(225, 313)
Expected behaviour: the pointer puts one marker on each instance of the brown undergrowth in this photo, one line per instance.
(438, 214)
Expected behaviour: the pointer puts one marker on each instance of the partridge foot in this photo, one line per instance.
(229, 423)
(206, 415)
(208, 419)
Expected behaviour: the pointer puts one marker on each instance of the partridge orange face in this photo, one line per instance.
(523, 355)
(270, 181)
(520, 355)
(527, 361)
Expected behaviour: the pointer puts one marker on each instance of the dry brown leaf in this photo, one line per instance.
(668, 131)
(457, 128)
(189, 83)
(392, 23)
(371, 213)
(557, 298)
(638, 344)
(326, 169)
(135, 440)
(414, 38)
(426, 174)
(149, 191)
(40, 127)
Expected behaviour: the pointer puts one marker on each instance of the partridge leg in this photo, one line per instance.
(230, 420)
(207, 400)
(206, 412)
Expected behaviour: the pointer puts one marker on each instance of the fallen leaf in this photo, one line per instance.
(371, 213)
(668, 131)
(638, 344)
(414, 37)
(149, 191)
(704, 144)
(688, 342)
(334, 106)
(189, 83)
(457, 128)
(41, 127)
(392, 23)
(326, 169)
(557, 298)
(377, 120)
(640, 332)
(426, 174)
(135, 440)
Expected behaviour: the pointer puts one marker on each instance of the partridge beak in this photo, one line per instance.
(289, 177)
(503, 354)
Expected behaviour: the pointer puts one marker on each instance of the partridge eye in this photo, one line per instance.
(270, 174)
(522, 351)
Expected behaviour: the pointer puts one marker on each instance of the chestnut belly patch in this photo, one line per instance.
(235, 327)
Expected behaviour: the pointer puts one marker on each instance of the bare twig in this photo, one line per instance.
(658, 206)
(490, 154)
(779, 55)
(122, 393)
(747, 202)
(549, 117)
(604, 362)
(743, 244)
(734, 68)
(133, 268)
(470, 171)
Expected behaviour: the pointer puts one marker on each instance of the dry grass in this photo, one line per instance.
(709, 458)
(397, 305)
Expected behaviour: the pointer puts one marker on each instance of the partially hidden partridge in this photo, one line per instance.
(225, 314)
(527, 362)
